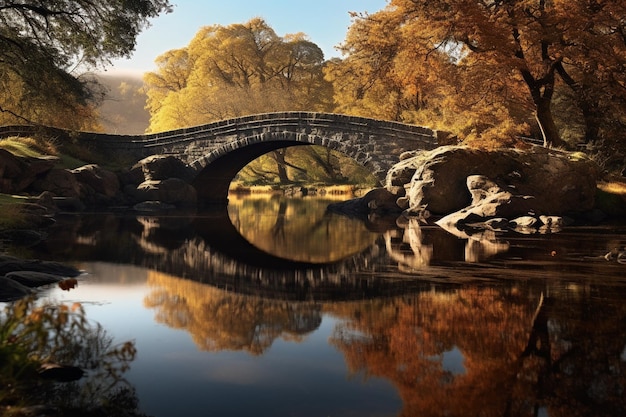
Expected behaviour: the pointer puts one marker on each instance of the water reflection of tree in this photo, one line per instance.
(221, 320)
(35, 334)
(278, 229)
(298, 229)
(517, 358)
(576, 354)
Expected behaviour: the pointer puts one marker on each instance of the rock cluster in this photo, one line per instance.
(163, 179)
(18, 277)
(496, 189)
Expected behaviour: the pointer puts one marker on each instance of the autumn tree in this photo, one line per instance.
(236, 70)
(231, 71)
(44, 44)
(497, 59)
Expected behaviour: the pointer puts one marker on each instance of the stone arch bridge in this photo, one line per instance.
(218, 151)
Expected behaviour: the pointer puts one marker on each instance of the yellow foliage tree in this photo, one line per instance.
(231, 71)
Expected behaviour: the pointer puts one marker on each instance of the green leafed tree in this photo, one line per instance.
(45, 44)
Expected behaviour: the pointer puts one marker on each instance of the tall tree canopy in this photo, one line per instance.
(230, 71)
(44, 42)
(241, 69)
(489, 64)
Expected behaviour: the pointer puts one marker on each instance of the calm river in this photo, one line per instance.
(280, 309)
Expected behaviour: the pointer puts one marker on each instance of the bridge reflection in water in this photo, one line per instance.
(471, 327)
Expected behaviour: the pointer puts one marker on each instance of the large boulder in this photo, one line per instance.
(60, 182)
(100, 180)
(542, 180)
(18, 173)
(162, 167)
(170, 191)
(133, 176)
(493, 208)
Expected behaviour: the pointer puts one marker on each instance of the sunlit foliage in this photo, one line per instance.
(305, 165)
(489, 69)
(230, 71)
(44, 45)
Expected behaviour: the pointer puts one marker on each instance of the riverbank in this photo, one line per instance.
(301, 190)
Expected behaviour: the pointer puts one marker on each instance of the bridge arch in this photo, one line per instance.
(216, 170)
(374, 144)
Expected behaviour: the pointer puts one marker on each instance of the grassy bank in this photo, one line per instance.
(39, 148)
(12, 215)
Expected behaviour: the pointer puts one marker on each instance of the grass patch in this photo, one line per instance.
(29, 146)
(69, 162)
(11, 214)
(19, 148)
(613, 187)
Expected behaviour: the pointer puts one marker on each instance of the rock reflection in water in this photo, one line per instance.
(416, 246)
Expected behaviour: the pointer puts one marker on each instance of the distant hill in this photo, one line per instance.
(123, 109)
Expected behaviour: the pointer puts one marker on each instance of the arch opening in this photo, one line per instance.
(213, 182)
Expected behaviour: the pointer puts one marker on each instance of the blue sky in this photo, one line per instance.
(324, 21)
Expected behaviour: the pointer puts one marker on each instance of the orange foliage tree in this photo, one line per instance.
(480, 66)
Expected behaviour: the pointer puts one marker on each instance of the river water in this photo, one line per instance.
(278, 308)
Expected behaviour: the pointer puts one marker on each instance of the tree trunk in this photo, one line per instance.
(591, 118)
(550, 132)
(587, 104)
(281, 166)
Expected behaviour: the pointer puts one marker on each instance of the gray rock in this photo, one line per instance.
(524, 221)
(553, 221)
(170, 191)
(488, 201)
(60, 182)
(378, 200)
(131, 177)
(556, 181)
(162, 167)
(99, 179)
(11, 290)
(33, 279)
(18, 173)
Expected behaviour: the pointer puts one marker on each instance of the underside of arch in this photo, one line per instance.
(213, 181)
